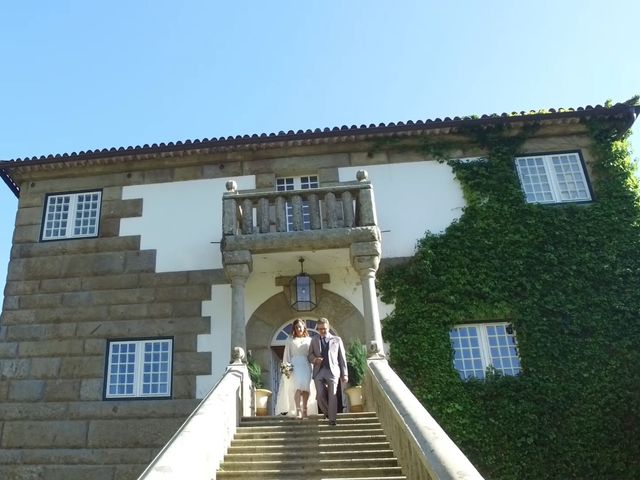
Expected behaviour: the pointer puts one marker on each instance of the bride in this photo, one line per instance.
(295, 388)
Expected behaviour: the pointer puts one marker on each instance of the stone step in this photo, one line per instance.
(304, 425)
(277, 447)
(302, 434)
(310, 465)
(318, 474)
(306, 448)
(328, 439)
(293, 418)
(399, 477)
(345, 414)
(279, 419)
(308, 454)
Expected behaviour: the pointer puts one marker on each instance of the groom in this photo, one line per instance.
(327, 355)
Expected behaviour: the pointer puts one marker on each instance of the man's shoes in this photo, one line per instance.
(332, 423)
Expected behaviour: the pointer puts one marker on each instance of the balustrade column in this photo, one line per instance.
(296, 213)
(365, 203)
(332, 210)
(314, 211)
(230, 209)
(365, 258)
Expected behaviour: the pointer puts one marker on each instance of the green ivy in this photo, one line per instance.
(568, 278)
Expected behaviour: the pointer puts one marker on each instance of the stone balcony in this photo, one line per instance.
(278, 224)
(268, 221)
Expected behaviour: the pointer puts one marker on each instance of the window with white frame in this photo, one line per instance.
(554, 178)
(139, 368)
(285, 184)
(479, 346)
(71, 215)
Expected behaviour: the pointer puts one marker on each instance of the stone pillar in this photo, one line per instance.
(237, 268)
(365, 258)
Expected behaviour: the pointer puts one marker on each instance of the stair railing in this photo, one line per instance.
(422, 447)
(198, 447)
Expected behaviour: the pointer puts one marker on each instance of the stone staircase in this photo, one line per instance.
(287, 448)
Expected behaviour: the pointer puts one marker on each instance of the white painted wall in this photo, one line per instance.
(411, 198)
(180, 220)
(218, 341)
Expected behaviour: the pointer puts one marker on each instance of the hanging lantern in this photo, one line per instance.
(303, 291)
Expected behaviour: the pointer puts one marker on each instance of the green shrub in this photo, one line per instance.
(255, 372)
(356, 362)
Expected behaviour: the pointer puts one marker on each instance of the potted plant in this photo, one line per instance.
(261, 394)
(356, 367)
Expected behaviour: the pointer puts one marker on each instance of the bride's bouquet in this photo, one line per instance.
(286, 369)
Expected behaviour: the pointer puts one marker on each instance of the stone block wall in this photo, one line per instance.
(63, 301)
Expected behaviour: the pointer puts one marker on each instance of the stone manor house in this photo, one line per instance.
(136, 272)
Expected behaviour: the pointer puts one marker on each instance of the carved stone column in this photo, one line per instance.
(237, 268)
(365, 258)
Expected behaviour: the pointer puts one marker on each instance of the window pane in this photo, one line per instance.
(553, 178)
(55, 225)
(121, 364)
(298, 183)
(477, 346)
(284, 184)
(156, 362)
(310, 181)
(533, 177)
(571, 180)
(504, 356)
(151, 377)
(71, 215)
(461, 339)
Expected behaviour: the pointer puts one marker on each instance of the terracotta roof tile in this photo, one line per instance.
(628, 108)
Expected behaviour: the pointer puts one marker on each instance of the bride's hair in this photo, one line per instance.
(294, 332)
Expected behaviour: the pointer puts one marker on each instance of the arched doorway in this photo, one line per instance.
(270, 325)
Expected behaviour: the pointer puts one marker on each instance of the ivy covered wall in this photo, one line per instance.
(568, 278)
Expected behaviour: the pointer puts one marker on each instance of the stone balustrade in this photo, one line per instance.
(345, 205)
(423, 448)
(198, 447)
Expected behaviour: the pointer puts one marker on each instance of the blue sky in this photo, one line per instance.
(78, 75)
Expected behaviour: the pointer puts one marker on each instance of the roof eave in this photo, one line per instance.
(448, 125)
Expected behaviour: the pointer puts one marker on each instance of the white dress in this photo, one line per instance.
(295, 353)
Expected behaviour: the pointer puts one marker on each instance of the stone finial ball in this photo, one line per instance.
(362, 175)
(232, 186)
(238, 354)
